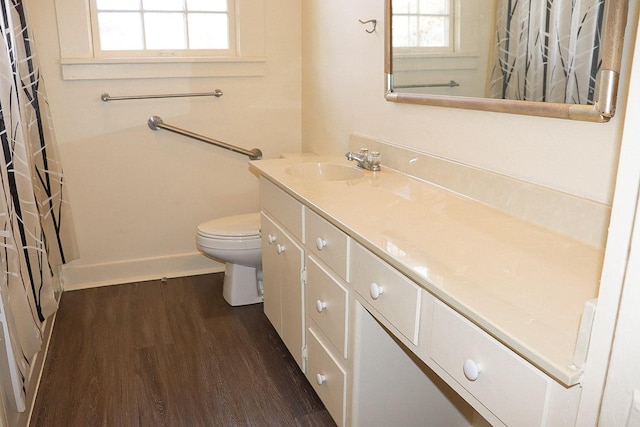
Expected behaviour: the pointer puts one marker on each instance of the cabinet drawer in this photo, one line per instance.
(393, 295)
(506, 384)
(327, 377)
(327, 243)
(282, 207)
(326, 303)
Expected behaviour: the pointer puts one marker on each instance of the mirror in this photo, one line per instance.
(536, 57)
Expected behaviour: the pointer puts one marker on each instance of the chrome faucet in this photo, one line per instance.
(366, 160)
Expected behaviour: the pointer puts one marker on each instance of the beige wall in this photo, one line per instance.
(621, 404)
(343, 86)
(138, 195)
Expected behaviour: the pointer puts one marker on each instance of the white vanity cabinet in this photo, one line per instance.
(327, 305)
(384, 345)
(283, 262)
(316, 286)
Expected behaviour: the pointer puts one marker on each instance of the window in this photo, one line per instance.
(90, 52)
(162, 27)
(423, 25)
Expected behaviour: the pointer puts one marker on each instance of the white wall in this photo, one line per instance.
(138, 195)
(343, 87)
(621, 403)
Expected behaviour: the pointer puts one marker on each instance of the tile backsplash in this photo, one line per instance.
(577, 217)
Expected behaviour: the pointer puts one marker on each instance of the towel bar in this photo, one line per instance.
(106, 97)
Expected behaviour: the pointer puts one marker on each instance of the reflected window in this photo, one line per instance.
(423, 25)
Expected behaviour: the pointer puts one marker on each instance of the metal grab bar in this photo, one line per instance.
(450, 83)
(106, 97)
(156, 123)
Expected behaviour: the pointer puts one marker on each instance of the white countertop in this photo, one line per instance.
(523, 284)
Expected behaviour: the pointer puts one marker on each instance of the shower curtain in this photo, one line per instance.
(539, 52)
(36, 230)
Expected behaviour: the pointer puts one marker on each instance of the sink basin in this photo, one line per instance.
(324, 171)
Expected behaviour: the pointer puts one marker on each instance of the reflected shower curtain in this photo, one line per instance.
(36, 230)
(559, 39)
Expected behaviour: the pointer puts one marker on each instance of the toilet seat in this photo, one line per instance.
(231, 233)
(237, 227)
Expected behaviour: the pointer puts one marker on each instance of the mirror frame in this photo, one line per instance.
(615, 19)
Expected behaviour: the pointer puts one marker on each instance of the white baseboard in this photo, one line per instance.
(75, 275)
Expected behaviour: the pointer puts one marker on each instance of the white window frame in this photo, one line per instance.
(99, 53)
(466, 52)
(80, 61)
(453, 31)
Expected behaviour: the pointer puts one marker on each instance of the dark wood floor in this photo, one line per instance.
(173, 354)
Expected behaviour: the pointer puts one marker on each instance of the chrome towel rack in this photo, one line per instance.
(450, 83)
(156, 123)
(106, 97)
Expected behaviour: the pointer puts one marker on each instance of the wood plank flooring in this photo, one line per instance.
(169, 354)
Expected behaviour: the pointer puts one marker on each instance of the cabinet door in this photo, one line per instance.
(291, 261)
(282, 260)
(270, 273)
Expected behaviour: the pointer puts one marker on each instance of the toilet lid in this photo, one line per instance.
(245, 226)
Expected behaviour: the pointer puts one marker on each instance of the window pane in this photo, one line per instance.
(439, 7)
(165, 31)
(118, 4)
(404, 6)
(161, 5)
(433, 32)
(207, 5)
(401, 31)
(120, 31)
(208, 31)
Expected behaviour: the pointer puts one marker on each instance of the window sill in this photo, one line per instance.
(435, 62)
(144, 68)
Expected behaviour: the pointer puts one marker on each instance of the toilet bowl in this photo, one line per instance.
(236, 241)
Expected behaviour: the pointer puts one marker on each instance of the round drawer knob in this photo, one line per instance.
(321, 243)
(320, 379)
(271, 239)
(280, 249)
(471, 369)
(320, 306)
(375, 290)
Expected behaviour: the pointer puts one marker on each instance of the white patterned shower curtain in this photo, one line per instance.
(547, 50)
(36, 229)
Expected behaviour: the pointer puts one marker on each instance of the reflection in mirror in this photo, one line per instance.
(436, 51)
(554, 58)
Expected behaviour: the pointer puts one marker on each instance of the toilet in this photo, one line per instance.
(236, 241)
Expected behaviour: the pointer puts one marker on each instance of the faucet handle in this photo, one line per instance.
(374, 158)
(363, 151)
